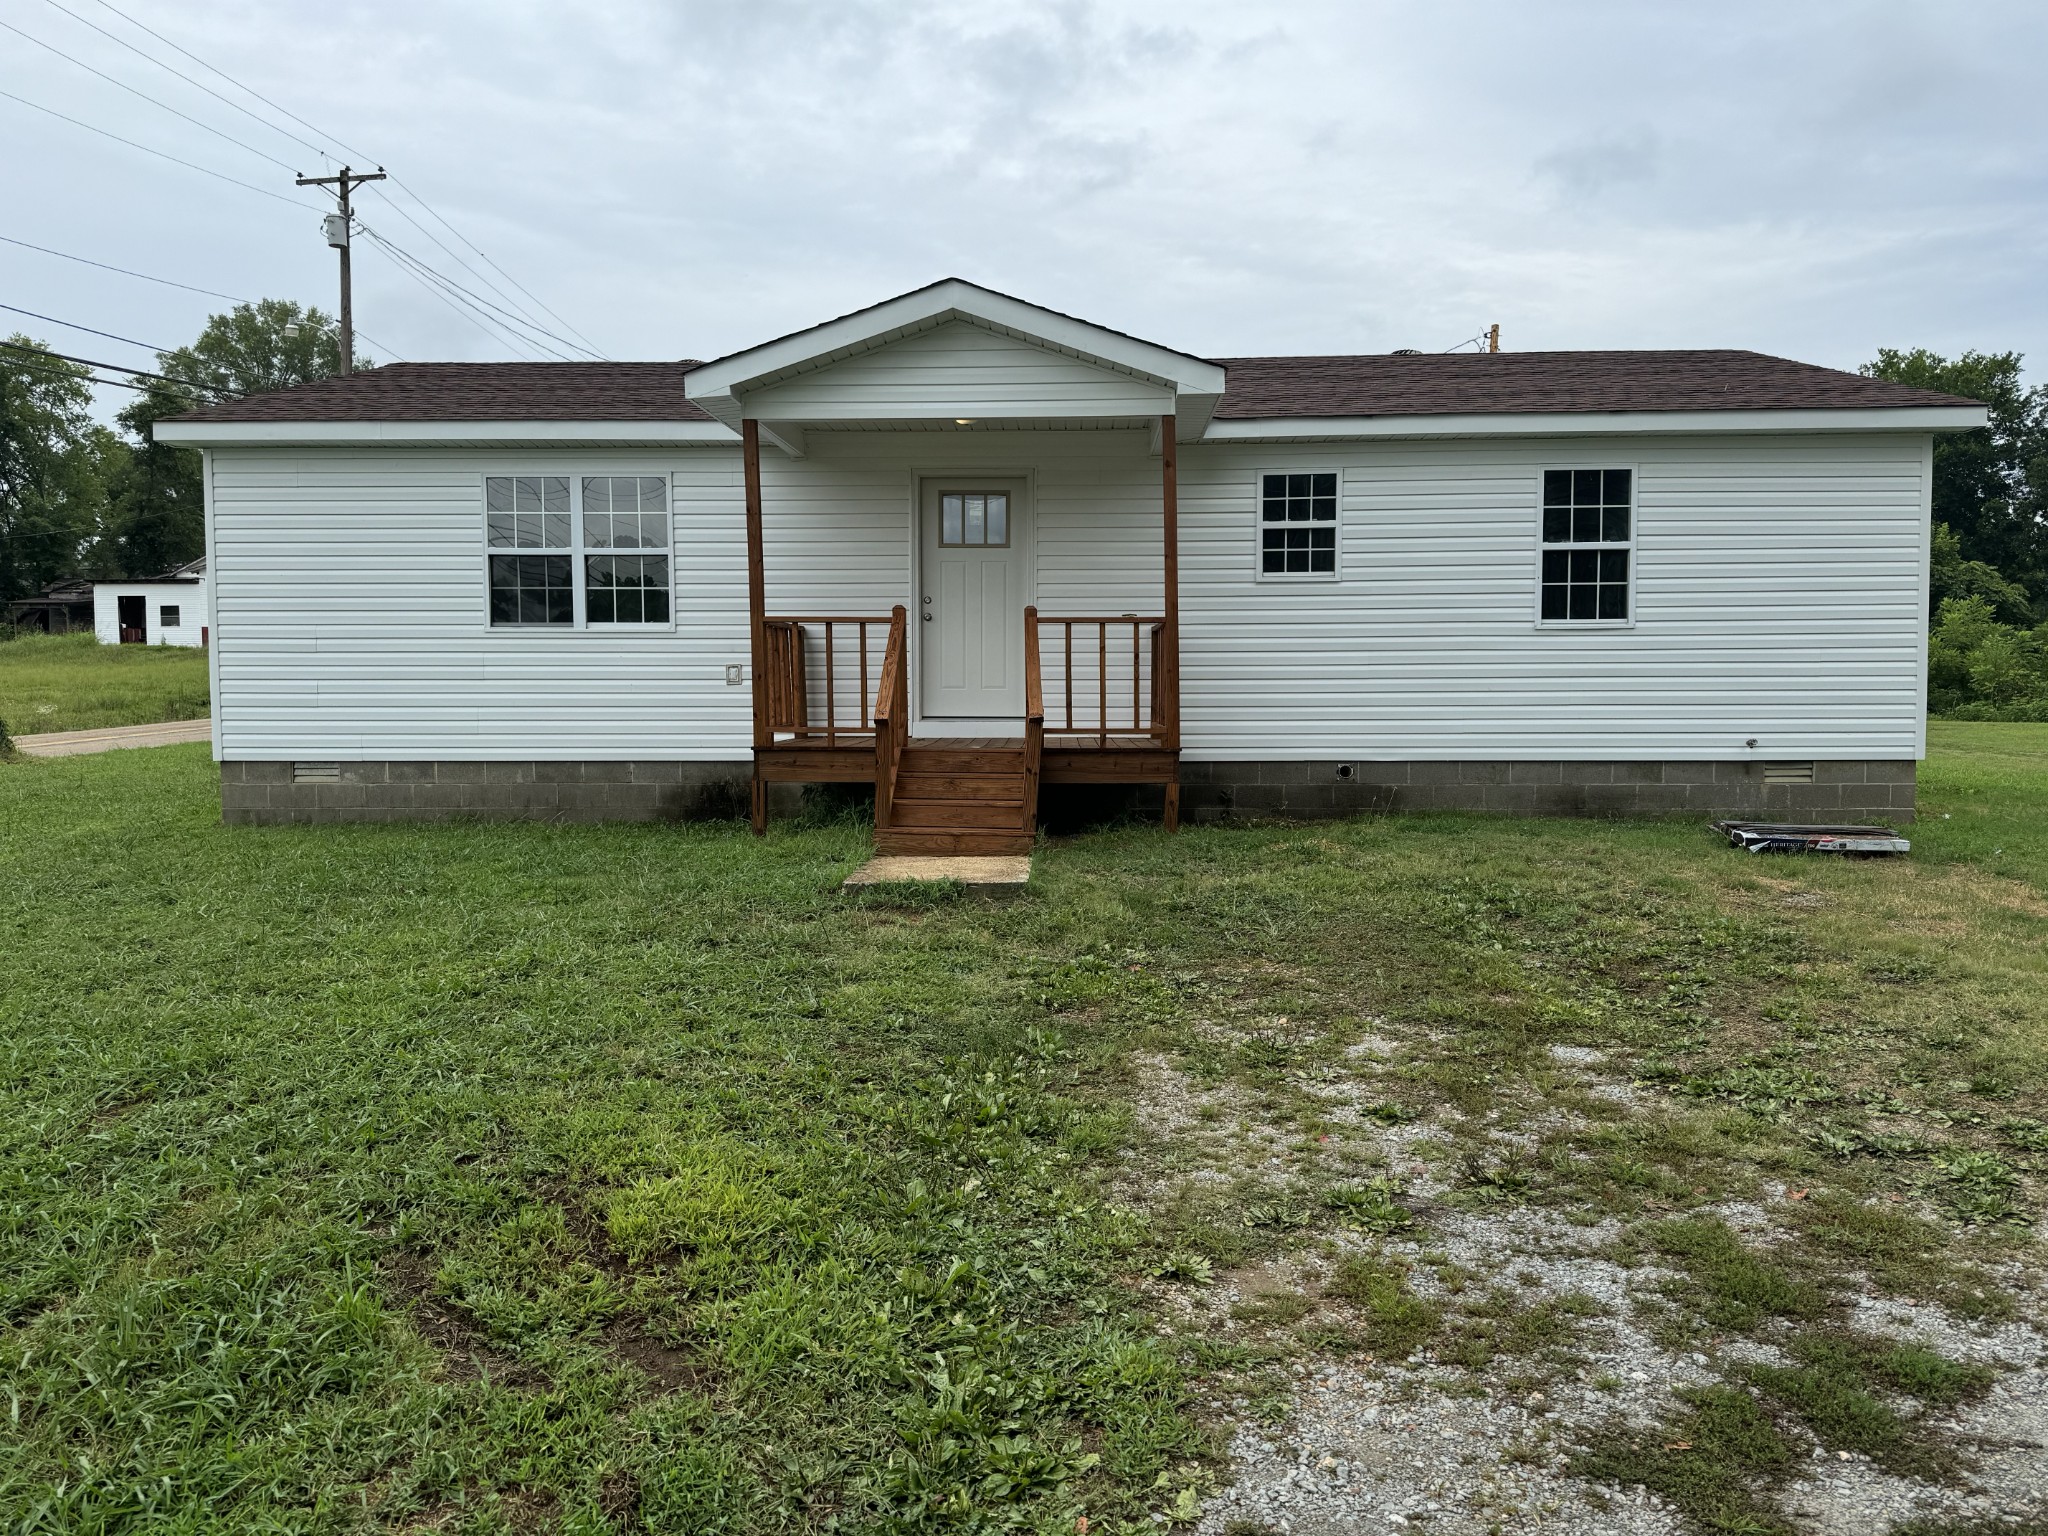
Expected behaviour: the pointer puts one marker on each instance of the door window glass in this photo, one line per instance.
(979, 519)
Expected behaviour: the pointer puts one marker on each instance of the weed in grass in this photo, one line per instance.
(1388, 1112)
(1395, 1321)
(1843, 1415)
(1716, 1460)
(1489, 1179)
(1503, 1323)
(2026, 1134)
(1980, 1187)
(1274, 1309)
(1733, 1286)
(1835, 1387)
(1373, 1206)
(1187, 1268)
(1903, 1254)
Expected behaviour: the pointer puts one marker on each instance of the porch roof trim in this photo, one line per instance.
(720, 387)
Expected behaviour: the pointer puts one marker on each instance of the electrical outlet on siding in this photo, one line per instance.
(734, 676)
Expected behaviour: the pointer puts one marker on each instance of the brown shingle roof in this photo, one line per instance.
(1260, 388)
(477, 392)
(1457, 383)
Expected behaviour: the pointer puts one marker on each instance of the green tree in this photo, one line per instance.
(158, 502)
(1990, 485)
(1954, 576)
(1978, 668)
(53, 466)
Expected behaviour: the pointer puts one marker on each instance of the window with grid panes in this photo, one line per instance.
(590, 550)
(1298, 524)
(528, 529)
(623, 513)
(1588, 545)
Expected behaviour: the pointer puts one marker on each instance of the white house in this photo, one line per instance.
(962, 547)
(165, 610)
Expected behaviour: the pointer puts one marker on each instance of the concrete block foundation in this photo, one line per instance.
(1874, 790)
(1878, 790)
(501, 791)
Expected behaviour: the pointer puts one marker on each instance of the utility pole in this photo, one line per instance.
(1492, 331)
(337, 225)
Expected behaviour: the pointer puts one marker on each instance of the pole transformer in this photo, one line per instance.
(336, 226)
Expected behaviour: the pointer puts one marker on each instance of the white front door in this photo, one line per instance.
(971, 606)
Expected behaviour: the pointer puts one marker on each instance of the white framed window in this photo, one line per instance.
(577, 551)
(1298, 525)
(1587, 539)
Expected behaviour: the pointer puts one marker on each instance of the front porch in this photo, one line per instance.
(832, 703)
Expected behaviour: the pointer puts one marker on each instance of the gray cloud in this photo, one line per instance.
(684, 179)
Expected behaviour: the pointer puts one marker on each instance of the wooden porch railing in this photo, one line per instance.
(1034, 719)
(1103, 672)
(845, 647)
(891, 715)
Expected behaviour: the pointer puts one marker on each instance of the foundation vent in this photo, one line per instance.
(316, 773)
(1788, 773)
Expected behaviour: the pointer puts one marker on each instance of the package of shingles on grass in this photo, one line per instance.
(1768, 837)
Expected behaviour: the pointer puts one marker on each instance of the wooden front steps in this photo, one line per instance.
(958, 799)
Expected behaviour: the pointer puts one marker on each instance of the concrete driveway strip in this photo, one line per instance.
(114, 737)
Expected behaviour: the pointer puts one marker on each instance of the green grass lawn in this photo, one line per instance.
(494, 1178)
(73, 683)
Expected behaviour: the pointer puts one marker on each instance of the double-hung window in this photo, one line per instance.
(577, 551)
(1588, 551)
(1298, 524)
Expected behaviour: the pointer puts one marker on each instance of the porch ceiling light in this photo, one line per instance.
(963, 421)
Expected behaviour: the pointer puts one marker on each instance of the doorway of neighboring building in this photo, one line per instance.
(134, 617)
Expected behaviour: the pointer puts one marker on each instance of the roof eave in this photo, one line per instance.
(393, 434)
(1598, 423)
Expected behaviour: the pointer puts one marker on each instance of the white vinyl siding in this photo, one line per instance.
(1780, 595)
(958, 370)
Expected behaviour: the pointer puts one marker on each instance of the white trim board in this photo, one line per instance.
(447, 434)
(1598, 423)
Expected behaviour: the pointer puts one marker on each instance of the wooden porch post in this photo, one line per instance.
(1169, 478)
(757, 615)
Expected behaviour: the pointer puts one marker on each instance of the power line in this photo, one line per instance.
(144, 95)
(517, 341)
(197, 85)
(465, 314)
(217, 175)
(516, 311)
(478, 299)
(485, 310)
(391, 352)
(125, 272)
(483, 277)
(400, 182)
(72, 325)
(88, 362)
(50, 370)
(397, 207)
(231, 80)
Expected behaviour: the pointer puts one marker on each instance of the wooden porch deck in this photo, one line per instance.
(962, 794)
(1115, 715)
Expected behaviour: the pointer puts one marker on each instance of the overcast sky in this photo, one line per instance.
(1810, 179)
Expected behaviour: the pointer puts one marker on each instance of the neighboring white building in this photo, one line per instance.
(165, 610)
(1593, 582)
